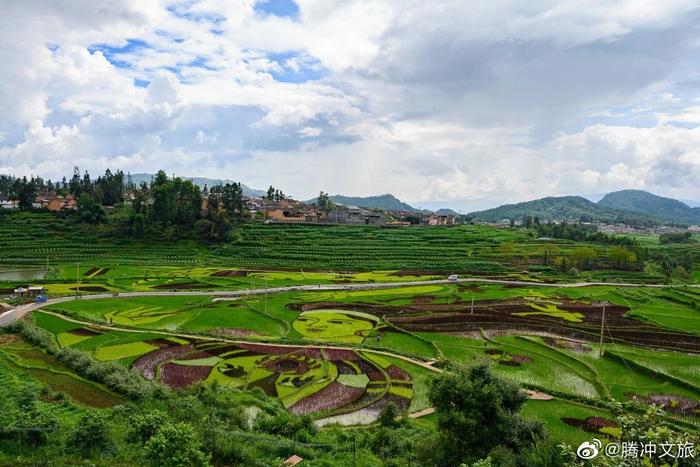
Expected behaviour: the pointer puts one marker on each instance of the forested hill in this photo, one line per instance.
(570, 208)
(387, 202)
(665, 209)
(199, 181)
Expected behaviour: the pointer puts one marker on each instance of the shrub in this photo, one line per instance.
(175, 445)
(91, 435)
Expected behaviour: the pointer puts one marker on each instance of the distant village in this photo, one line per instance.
(285, 210)
(607, 228)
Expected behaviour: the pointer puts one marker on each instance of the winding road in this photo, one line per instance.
(16, 313)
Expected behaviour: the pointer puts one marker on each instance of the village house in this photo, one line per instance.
(441, 219)
(9, 204)
(31, 291)
(356, 216)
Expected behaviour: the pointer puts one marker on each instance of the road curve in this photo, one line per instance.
(14, 314)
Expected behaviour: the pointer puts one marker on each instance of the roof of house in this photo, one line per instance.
(294, 460)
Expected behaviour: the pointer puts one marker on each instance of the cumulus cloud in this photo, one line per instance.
(457, 102)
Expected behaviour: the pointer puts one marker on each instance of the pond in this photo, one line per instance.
(20, 275)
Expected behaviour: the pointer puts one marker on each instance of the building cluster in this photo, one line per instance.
(285, 210)
(48, 200)
(294, 211)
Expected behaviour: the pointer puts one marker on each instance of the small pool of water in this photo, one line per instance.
(18, 275)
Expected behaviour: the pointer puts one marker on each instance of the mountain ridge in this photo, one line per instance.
(387, 201)
(563, 208)
(660, 207)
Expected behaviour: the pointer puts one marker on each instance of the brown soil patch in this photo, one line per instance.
(182, 285)
(470, 288)
(84, 332)
(180, 376)
(10, 339)
(508, 363)
(91, 288)
(230, 273)
(590, 424)
(424, 299)
(670, 403)
(287, 365)
(161, 342)
(567, 344)
(396, 373)
(417, 273)
(500, 315)
(268, 385)
(91, 271)
(235, 332)
(521, 358)
(333, 396)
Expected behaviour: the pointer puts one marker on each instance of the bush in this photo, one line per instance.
(175, 445)
(91, 435)
(113, 375)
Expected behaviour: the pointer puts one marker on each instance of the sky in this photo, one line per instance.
(461, 104)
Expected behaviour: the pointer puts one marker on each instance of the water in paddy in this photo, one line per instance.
(20, 275)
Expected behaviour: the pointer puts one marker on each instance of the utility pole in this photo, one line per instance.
(602, 325)
(266, 295)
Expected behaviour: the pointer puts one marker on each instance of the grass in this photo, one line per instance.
(551, 412)
(175, 313)
(354, 381)
(67, 339)
(27, 361)
(119, 351)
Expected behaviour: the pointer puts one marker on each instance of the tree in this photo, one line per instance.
(477, 411)
(75, 186)
(26, 194)
(90, 210)
(324, 202)
(622, 258)
(270, 193)
(91, 435)
(175, 445)
(142, 426)
(232, 198)
(584, 257)
(388, 416)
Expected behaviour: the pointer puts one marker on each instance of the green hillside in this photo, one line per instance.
(570, 208)
(665, 209)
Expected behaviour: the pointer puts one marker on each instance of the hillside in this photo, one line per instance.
(200, 182)
(570, 208)
(387, 202)
(665, 209)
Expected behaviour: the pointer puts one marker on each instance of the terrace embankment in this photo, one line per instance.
(561, 316)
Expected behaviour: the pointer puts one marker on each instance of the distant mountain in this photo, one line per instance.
(387, 202)
(200, 182)
(569, 208)
(665, 209)
(446, 212)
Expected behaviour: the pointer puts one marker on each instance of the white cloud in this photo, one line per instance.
(457, 101)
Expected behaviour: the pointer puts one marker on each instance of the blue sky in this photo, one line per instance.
(465, 104)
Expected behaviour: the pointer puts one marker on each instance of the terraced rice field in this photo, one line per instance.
(546, 339)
